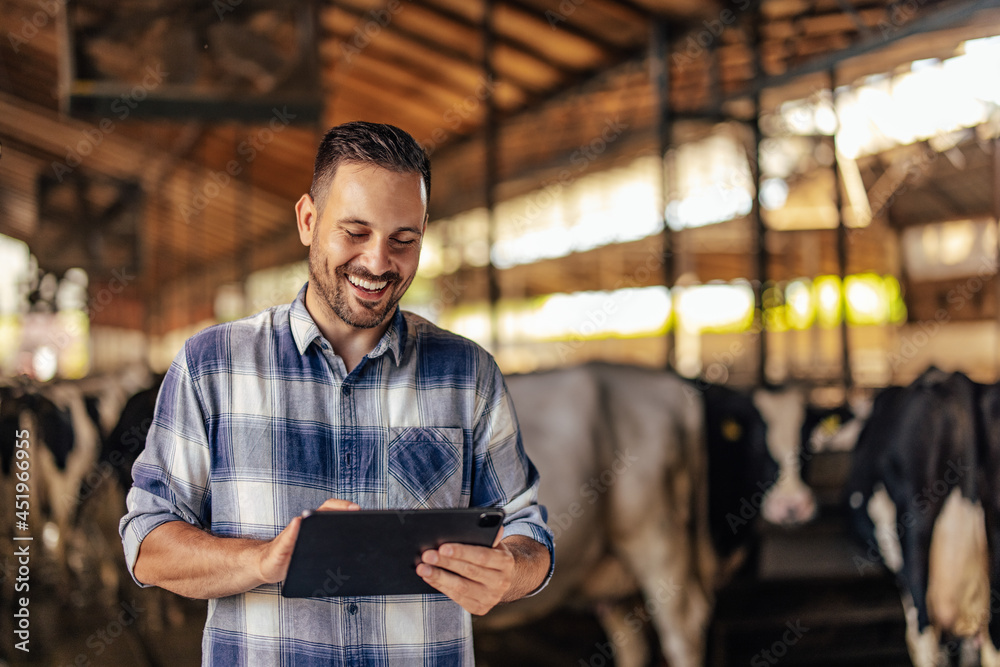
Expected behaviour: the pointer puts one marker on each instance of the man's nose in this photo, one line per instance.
(376, 258)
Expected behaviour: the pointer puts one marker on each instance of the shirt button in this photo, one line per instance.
(346, 389)
(352, 610)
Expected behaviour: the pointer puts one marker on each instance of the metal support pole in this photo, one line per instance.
(847, 374)
(715, 82)
(996, 219)
(150, 263)
(243, 234)
(755, 214)
(659, 77)
(490, 176)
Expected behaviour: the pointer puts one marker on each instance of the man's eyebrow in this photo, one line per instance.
(354, 221)
(365, 223)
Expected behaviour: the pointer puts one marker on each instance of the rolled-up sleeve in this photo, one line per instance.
(505, 476)
(171, 475)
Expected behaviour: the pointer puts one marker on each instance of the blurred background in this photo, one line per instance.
(750, 192)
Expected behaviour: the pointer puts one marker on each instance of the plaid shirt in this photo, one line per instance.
(258, 420)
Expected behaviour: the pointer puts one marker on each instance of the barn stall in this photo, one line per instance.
(773, 192)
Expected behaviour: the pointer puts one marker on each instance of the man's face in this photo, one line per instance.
(365, 246)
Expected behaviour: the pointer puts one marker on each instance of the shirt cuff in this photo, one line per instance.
(540, 535)
(146, 513)
(530, 522)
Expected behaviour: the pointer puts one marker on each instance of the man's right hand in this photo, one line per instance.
(191, 562)
(277, 554)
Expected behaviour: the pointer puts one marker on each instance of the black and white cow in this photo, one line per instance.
(103, 505)
(989, 461)
(626, 459)
(741, 470)
(61, 445)
(915, 496)
(64, 424)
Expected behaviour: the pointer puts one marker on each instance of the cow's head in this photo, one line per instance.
(741, 469)
(789, 501)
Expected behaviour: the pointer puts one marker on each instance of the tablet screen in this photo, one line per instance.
(376, 552)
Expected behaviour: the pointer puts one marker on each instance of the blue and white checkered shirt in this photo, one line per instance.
(258, 420)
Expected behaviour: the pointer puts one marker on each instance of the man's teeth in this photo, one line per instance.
(368, 285)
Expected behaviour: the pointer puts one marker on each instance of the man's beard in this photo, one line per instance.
(351, 310)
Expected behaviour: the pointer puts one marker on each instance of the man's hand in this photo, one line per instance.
(277, 554)
(196, 564)
(479, 578)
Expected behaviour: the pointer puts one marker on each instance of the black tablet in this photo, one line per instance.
(376, 552)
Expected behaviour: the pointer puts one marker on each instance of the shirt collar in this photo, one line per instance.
(305, 331)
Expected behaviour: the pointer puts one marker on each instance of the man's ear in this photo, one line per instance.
(306, 218)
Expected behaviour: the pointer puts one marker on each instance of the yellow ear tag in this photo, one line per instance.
(731, 430)
(831, 424)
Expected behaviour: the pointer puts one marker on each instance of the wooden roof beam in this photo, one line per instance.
(956, 208)
(614, 52)
(934, 19)
(634, 11)
(400, 53)
(422, 114)
(513, 42)
(506, 95)
(119, 157)
(371, 79)
(445, 52)
(859, 22)
(402, 77)
(692, 11)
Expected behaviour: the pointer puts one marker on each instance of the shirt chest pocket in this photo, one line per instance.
(427, 468)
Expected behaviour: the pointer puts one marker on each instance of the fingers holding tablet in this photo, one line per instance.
(337, 505)
(475, 577)
(276, 555)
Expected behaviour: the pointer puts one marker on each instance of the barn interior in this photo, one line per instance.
(750, 192)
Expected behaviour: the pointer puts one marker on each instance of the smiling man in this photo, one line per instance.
(338, 401)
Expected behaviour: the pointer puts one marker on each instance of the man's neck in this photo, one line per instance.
(350, 343)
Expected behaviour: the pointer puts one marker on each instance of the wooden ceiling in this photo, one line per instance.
(185, 205)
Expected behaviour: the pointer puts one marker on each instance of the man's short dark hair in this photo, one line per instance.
(377, 144)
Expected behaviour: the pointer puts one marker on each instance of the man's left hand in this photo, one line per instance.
(475, 577)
